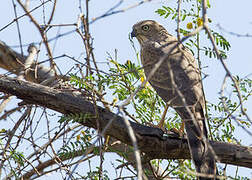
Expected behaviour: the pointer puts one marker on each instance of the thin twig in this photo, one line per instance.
(43, 36)
(134, 142)
(18, 28)
(233, 33)
(16, 19)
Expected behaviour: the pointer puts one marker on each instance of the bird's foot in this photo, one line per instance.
(179, 132)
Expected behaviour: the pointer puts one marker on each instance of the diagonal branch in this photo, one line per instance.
(151, 140)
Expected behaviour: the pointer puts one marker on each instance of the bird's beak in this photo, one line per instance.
(133, 33)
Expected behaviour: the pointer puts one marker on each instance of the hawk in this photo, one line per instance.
(178, 82)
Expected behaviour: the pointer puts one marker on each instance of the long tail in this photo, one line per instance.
(202, 155)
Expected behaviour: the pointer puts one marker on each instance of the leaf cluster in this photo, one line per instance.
(190, 19)
(78, 146)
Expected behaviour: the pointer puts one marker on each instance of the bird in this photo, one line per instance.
(178, 82)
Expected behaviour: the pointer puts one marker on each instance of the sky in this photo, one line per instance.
(112, 32)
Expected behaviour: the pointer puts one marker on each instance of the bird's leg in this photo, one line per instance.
(160, 125)
(161, 122)
(182, 128)
(107, 138)
(179, 132)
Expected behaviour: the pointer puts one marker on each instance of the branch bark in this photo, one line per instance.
(151, 140)
(14, 62)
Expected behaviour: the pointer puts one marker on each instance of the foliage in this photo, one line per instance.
(18, 157)
(77, 146)
(190, 17)
(222, 122)
(94, 175)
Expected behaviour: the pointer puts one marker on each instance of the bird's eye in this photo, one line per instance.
(145, 27)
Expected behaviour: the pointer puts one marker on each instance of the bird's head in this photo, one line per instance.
(147, 30)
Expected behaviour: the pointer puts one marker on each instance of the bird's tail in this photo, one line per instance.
(201, 152)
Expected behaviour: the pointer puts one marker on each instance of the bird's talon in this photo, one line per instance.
(178, 132)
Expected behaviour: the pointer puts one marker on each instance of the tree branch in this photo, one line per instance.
(151, 140)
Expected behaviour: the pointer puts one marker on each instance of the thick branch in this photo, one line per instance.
(14, 62)
(150, 140)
